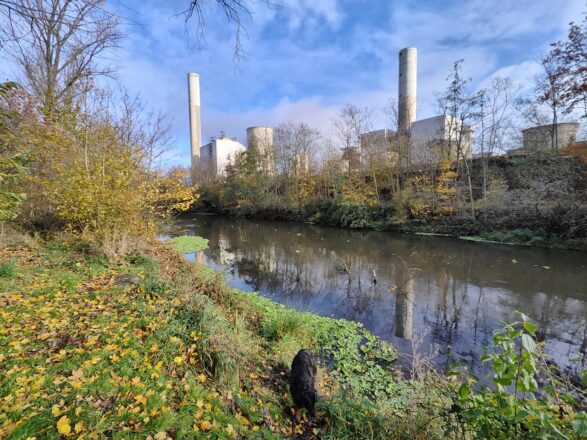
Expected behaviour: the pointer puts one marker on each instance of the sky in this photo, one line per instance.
(306, 58)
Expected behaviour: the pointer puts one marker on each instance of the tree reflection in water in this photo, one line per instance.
(455, 293)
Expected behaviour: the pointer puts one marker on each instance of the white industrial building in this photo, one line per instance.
(439, 138)
(218, 154)
(417, 142)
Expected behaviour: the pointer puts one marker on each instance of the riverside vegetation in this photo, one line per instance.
(149, 345)
(106, 332)
(538, 199)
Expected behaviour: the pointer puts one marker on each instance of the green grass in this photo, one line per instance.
(8, 269)
(179, 353)
(187, 244)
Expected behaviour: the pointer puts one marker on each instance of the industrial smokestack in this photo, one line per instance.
(408, 72)
(195, 123)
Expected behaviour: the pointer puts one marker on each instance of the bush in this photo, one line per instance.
(517, 407)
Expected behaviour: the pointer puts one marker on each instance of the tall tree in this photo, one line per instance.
(572, 55)
(550, 91)
(461, 107)
(57, 45)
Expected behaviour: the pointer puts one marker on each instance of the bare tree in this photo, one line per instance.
(461, 108)
(145, 131)
(572, 54)
(550, 91)
(294, 145)
(494, 120)
(57, 44)
(352, 121)
(236, 12)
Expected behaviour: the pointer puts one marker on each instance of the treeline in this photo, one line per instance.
(369, 181)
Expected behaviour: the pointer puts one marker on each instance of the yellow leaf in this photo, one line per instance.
(63, 426)
(141, 399)
(178, 360)
(79, 427)
(201, 378)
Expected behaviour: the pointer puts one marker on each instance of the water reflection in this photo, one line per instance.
(447, 293)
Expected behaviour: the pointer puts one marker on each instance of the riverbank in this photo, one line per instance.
(151, 345)
(535, 200)
(381, 218)
(148, 345)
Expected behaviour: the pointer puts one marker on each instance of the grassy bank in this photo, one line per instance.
(150, 345)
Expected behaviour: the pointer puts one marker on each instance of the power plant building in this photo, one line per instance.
(217, 155)
(439, 138)
(549, 137)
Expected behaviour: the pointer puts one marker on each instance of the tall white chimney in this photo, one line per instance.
(195, 122)
(408, 74)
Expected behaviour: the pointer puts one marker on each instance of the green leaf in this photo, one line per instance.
(580, 424)
(528, 343)
(530, 328)
(464, 391)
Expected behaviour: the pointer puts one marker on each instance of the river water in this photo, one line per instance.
(440, 296)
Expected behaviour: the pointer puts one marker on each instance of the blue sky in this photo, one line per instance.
(307, 58)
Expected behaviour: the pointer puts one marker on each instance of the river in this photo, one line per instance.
(439, 296)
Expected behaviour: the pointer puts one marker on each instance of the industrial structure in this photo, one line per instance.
(217, 155)
(407, 88)
(195, 122)
(417, 143)
(260, 139)
(300, 164)
(549, 137)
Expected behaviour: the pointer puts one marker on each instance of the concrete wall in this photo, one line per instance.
(435, 139)
(541, 138)
(215, 156)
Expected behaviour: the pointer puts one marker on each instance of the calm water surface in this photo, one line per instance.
(441, 295)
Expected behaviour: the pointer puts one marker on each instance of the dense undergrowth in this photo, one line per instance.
(537, 200)
(148, 345)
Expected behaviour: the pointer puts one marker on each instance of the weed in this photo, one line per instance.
(8, 269)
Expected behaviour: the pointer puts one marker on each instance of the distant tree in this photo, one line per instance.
(57, 43)
(496, 103)
(294, 143)
(351, 122)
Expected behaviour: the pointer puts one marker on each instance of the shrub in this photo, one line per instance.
(517, 407)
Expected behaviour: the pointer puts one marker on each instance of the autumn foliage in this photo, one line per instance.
(83, 172)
